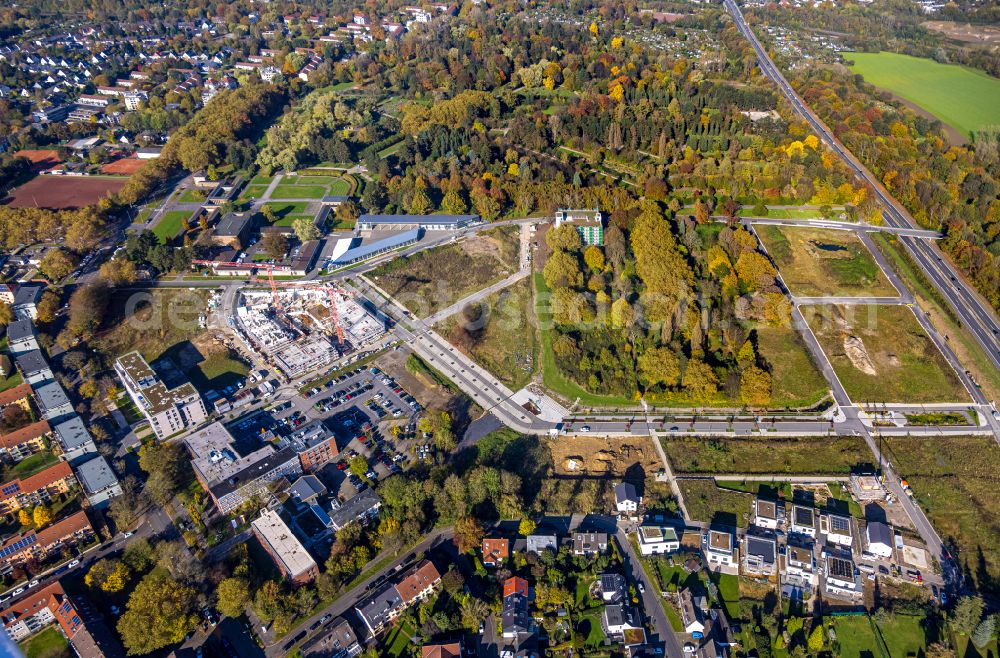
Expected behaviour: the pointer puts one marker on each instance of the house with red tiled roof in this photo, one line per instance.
(515, 585)
(496, 550)
(19, 395)
(39, 544)
(453, 650)
(37, 488)
(25, 441)
(418, 583)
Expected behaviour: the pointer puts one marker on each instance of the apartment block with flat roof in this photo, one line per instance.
(285, 549)
(168, 410)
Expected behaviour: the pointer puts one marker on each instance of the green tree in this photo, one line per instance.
(594, 258)
(659, 365)
(57, 264)
(469, 534)
(699, 381)
(42, 516)
(275, 245)
(160, 612)
(359, 466)
(234, 596)
(454, 203)
(565, 237)
(6, 314)
(305, 229)
(420, 203)
(526, 527)
(86, 308)
(967, 613)
(816, 637)
(561, 270)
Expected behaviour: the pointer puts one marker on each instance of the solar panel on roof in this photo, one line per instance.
(841, 569)
(840, 524)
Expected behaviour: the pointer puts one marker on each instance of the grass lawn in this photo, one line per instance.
(433, 279)
(398, 639)
(289, 220)
(823, 262)
(729, 592)
(590, 623)
(965, 346)
(297, 191)
(191, 195)
(391, 150)
(552, 376)
(287, 208)
(833, 455)
(340, 187)
(261, 180)
(956, 482)
(29, 465)
(255, 191)
(789, 213)
(502, 336)
(170, 224)
(47, 643)
(13, 380)
(964, 98)
(796, 381)
(708, 503)
(128, 409)
(882, 354)
(143, 215)
(217, 371)
(903, 635)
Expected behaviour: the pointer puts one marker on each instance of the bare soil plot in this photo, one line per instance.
(59, 192)
(598, 456)
(40, 158)
(824, 262)
(123, 167)
(966, 32)
(882, 354)
(433, 279)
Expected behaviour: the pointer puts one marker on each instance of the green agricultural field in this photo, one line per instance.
(795, 380)
(823, 262)
(500, 334)
(881, 354)
(170, 224)
(956, 482)
(963, 98)
(834, 455)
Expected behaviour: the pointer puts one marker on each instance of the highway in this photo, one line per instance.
(973, 311)
(970, 308)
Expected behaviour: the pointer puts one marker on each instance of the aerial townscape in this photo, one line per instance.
(500, 329)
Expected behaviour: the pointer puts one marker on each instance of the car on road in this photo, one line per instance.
(642, 588)
(689, 647)
(18, 592)
(73, 564)
(585, 428)
(128, 534)
(33, 583)
(325, 618)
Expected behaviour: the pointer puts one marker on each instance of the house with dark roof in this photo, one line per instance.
(380, 609)
(74, 440)
(25, 304)
(21, 337)
(359, 508)
(99, 482)
(760, 555)
(538, 543)
(803, 521)
(590, 543)
(613, 587)
(307, 489)
(34, 368)
(627, 499)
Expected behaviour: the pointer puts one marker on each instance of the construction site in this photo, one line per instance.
(303, 327)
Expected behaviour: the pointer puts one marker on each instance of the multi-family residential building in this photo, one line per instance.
(285, 549)
(380, 609)
(343, 640)
(168, 410)
(99, 482)
(657, 539)
(34, 368)
(418, 582)
(20, 395)
(21, 337)
(760, 555)
(359, 508)
(768, 513)
(588, 223)
(803, 521)
(40, 544)
(315, 445)
(53, 403)
(25, 441)
(514, 618)
(26, 298)
(230, 477)
(78, 621)
(719, 547)
(37, 488)
(74, 440)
